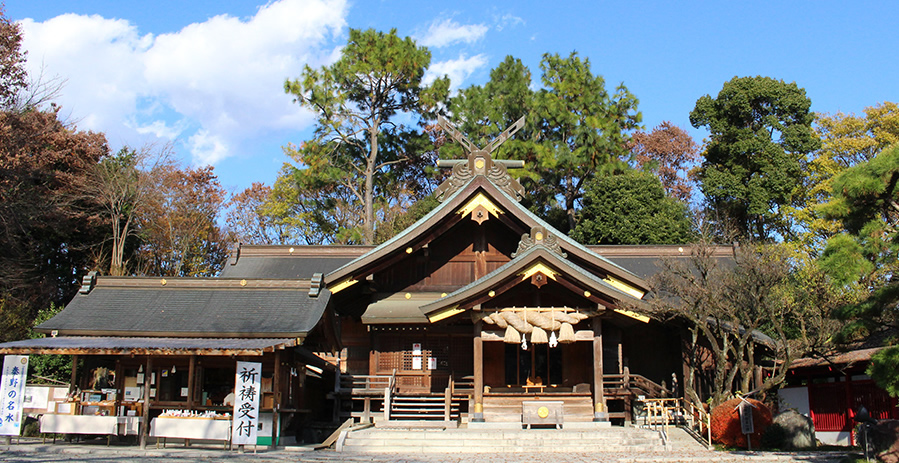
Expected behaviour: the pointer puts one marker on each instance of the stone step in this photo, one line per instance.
(501, 440)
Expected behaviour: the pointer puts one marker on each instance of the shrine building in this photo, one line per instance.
(477, 308)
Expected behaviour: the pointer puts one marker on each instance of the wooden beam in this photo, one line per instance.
(145, 420)
(478, 415)
(132, 351)
(73, 384)
(276, 399)
(191, 382)
(119, 383)
(599, 399)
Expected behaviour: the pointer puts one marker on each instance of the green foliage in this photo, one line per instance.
(574, 129)
(754, 161)
(845, 259)
(865, 201)
(884, 369)
(583, 131)
(847, 140)
(865, 198)
(400, 222)
(356, 171)
(44, 367)
(631, 208)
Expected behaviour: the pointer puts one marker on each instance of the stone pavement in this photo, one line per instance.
(33, 450)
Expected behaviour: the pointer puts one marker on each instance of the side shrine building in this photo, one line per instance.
(471, 312)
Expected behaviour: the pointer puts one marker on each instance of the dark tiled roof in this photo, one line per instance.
(841, 358)
(190, 311)
(646, 261)
(299, 267)
(144, 345)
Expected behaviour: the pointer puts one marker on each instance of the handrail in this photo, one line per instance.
(389, 392)
(681, 413)
(368, 383)
(628, 380)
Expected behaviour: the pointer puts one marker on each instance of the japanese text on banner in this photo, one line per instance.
(12, 391)
(246, 403)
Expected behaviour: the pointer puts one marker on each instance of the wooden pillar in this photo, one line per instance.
(145, 419)
(276, 399)
(73, 384)
(599, 399)
(119, 383)
(478, 415)
(192, 383)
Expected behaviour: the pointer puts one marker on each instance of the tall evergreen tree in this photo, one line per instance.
(360, 145)
(631, 208)
(754, 161)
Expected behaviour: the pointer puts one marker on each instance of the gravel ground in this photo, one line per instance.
(97, 452)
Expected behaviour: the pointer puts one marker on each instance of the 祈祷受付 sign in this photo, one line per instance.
(246, 403)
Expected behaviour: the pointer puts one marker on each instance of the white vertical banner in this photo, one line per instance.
(246, 403)
(12, 391)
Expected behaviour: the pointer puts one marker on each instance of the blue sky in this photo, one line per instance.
(207, 76)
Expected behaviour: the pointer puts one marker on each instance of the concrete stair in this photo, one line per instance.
(497, 441)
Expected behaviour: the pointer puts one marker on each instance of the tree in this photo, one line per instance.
(179, 231)
(248, 221)
(358, 140)
(48, 368)
(13, 76)
(46, 227)
(482, 113)
(866, 201)
(631, 208)
(847, 140)
(754, 161)
(728, 305)
(121, 184)
(669, 152)
(583, 131)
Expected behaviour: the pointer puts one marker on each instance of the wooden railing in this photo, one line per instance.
(660, 413)
(367, 384)
(629, 381)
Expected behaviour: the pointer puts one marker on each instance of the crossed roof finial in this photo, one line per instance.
(480, 162)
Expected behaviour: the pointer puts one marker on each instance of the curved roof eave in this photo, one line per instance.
(518, 264)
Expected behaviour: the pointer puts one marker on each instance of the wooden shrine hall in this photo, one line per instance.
(468, 315)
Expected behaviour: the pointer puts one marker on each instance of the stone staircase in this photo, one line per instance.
(433, 407)
(488, 440)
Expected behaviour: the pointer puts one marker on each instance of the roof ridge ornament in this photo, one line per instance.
(539, 237)
(480, 162)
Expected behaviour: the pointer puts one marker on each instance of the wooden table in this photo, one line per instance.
(190, 428)
(80, 424)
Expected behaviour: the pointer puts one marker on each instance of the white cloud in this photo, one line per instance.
(458, 69)
(447, 32)
(215, 83)
(207, 148)
(508, 20)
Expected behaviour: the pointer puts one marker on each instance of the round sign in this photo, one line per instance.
(542, 412)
